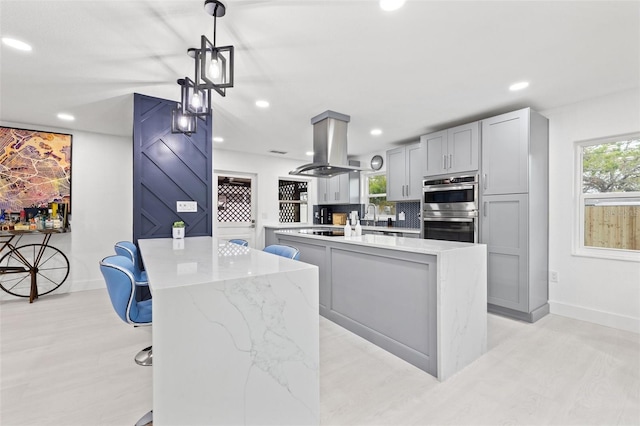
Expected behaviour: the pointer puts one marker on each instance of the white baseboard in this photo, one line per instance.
(607, 319)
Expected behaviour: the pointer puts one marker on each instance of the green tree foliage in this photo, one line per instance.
(611, 167)
(378, 184)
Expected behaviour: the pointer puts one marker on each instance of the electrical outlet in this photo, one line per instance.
(186, 206)
(553, 276)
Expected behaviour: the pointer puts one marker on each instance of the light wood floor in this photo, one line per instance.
(68, 360)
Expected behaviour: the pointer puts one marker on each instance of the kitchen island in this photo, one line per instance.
(235, 334)
(423, 300)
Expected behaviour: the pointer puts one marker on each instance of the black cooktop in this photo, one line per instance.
(328, 233)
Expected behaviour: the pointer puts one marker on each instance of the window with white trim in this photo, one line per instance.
(375, 190)
(609, 197)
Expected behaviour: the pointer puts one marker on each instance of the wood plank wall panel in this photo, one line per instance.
(168, 168)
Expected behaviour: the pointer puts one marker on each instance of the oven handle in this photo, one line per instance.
(448, 219)
(448, 187)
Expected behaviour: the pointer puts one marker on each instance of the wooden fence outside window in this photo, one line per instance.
(612, 227)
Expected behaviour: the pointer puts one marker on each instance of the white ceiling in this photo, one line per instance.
(427, 66)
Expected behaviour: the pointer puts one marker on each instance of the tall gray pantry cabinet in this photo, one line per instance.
(514, 213)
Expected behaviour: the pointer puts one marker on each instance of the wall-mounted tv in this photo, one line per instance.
(35, 168)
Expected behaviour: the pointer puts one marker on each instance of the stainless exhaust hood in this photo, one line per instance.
(329, 147)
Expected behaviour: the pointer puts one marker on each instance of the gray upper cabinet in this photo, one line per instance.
(340, 189)
(505, 147)
(514, 213)
(405, 169)
(452, 151)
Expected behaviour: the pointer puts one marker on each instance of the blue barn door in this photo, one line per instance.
(168, 168)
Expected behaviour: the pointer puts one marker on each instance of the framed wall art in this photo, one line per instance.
(35, 168)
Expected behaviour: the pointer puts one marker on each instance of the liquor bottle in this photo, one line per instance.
(49, 222)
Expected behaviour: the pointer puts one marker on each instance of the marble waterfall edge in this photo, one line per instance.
(462, 308)
(253, 338)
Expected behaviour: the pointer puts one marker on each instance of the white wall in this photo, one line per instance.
(597, 290)
(268, 170)
(102, 203)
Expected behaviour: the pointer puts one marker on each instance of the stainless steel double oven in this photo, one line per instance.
(450, 209)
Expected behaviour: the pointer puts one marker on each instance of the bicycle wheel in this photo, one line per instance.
(51, 270)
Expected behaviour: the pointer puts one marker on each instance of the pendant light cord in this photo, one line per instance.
(215, 21)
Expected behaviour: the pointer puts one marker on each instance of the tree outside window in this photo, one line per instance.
(610, 194)
(377, 195)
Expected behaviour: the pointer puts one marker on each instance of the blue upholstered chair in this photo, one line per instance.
(243, 243)
(119, 275)
(284, 251)
(129, 250)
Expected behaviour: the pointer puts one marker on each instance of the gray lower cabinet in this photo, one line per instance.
(504, 223)
(384, 296)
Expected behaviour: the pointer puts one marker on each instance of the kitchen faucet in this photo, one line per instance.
(374, 212)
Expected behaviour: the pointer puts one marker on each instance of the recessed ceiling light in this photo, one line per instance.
(66, 117)
(16, 44)
(376, 132)
(389, 5)
(218, 139)
(519, 86)
(309, 152)
(262, 104)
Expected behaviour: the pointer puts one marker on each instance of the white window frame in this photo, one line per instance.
(579, 249)
(367, 196)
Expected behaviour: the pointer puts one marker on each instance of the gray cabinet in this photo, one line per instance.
(452, 151)
(514, 213)
(340, 189)
(505, 153)
(504, 225)
(405, 169)
(383, 295)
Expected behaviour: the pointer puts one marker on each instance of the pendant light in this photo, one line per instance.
(213, 70)
(214, 64)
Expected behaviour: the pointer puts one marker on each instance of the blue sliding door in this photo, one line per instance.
(168, 168)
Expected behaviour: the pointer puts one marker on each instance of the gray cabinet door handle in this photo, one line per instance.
(484, 181)
(444, 162)
(450, 160)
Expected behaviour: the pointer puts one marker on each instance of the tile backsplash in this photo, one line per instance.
(411, 211)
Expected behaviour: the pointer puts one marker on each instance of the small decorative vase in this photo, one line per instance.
(178, 233)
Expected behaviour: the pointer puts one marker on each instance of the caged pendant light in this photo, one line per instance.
(213, 70)
(195, 101)
(214, 64)
(181, 122)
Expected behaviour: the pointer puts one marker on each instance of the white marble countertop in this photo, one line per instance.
(414, 245)
(196, 260)
(330, 226)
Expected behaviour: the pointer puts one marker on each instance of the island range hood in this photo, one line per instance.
(329, 147)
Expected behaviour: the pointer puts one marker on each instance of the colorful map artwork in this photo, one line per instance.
(35, 168)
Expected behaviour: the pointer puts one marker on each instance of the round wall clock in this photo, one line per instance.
(376, 162)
